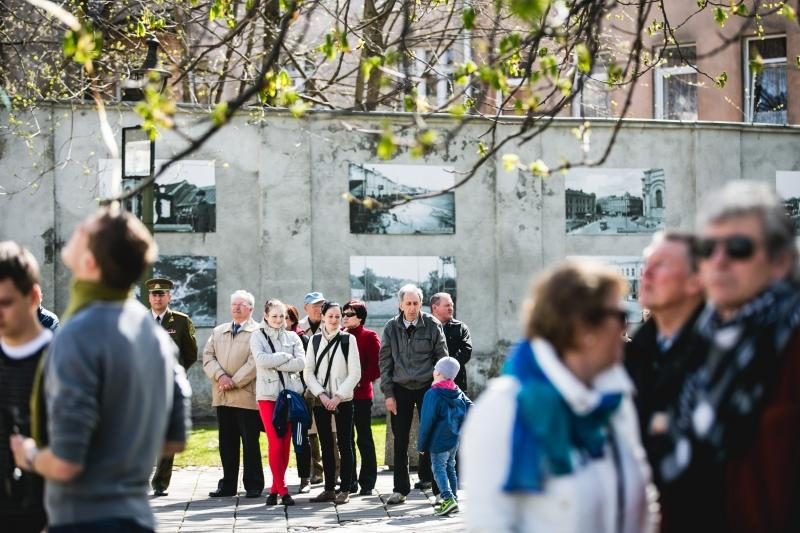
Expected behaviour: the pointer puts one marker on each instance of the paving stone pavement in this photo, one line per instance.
(188, 509)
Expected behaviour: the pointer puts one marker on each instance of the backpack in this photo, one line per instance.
(344, 339)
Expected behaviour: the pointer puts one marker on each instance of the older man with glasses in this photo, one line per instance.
(229, 363)
(734, 432)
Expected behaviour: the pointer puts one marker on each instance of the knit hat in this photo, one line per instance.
(448, 367)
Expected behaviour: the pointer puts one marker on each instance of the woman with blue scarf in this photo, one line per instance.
(553, 444)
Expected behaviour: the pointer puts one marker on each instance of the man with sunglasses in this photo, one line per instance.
(659, 357)
(734, 431)
(181, 331)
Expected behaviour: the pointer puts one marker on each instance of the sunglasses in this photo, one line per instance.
(349, 314)
(737, 247)
(621, 315)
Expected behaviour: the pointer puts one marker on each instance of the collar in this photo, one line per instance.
(29, 348)
(580, 398)
(162, 315)
(248, 325)
(406, 323)
(83, 293)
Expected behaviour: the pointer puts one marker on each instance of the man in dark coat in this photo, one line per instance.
(659, 356)
(181, 331)
(456, 333)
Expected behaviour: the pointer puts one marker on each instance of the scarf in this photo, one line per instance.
(82, 293)
(448, 384)
(274, 333)
(717, 412)
(546, 430)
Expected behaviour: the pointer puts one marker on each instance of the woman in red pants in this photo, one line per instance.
(279, 357)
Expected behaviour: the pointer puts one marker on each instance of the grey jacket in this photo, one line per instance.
(408, 360)
(115, 393)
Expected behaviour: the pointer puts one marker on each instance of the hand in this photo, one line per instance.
(20, 446)
(333, 403)
(422, 453)
(391, 406)
(226, 383)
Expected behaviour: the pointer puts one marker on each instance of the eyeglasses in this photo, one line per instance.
(348, 314)
(736, 247)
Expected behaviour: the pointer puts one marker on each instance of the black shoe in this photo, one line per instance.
(272, 499)
(287, 500)
(159, 492)
(365, 492)
(253, 493)
(316, 480)
(423, 485)
(219, 493)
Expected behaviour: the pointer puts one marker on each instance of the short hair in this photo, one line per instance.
(18, 265)
(743, 198)
(439, 296)
(408, 289)
(359, 307)
(121, 246)
(246, 296)
(273, 303)
(571, 293)
(292, 314)
(328, 305)
(689, 240)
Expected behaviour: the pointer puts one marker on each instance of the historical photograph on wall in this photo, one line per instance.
(376, 280)
(195, 285)
(630, 268)
(389, 183)
(613, 201)
(184, 199)
(787, 184)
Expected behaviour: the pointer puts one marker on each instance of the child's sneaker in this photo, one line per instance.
(446, 507)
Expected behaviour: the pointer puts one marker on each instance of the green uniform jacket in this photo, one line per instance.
(180, 328)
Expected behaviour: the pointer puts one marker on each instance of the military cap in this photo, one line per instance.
(158, 284)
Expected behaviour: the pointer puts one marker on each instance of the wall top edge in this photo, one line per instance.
(438, 118)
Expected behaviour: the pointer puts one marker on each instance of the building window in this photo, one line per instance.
(594, 99)
(676, 84)
(436, 75)
(766, 97)
(659, 199)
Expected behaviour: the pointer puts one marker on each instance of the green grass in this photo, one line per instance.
(203, 446)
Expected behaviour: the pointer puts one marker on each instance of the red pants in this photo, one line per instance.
(279, 448)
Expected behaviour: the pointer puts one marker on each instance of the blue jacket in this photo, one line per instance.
(443, 412)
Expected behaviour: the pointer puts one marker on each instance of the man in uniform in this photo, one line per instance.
(181, 331)
(202, 213)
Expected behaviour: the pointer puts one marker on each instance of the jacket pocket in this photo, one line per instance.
(423, 344)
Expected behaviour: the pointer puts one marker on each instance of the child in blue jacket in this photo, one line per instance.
(443, 410)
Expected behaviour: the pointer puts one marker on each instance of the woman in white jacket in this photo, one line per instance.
(553, 445)
(278, 354)
(331, 374)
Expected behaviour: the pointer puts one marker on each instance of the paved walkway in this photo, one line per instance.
(188, 508)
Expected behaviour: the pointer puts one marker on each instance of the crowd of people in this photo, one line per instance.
(690, 422)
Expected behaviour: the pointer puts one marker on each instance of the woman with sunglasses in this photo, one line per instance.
(332, 371)
(369, 347)
(279, 359)
(553, 445)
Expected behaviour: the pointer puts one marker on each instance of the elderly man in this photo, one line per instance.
(181, 330)
(227, 361)
(23, 341)
(735, 429)
(456, 333)
(110, 372)
(412, 343)
(660, 356)
(312, 305)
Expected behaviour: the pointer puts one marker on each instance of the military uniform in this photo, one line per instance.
(181, 331)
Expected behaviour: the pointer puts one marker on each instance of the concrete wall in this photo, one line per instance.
(282, 225)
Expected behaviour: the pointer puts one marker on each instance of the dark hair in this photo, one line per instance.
(436, 298)
(689, 240)
(359, 307)
(327, 305)
(272, 302)
(121, 246)
(18, 265)
(567, 295)
(293, 314)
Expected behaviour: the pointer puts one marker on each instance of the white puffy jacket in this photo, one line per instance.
(344, 375)
(288, 359)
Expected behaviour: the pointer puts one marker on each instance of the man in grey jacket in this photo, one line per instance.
(109, 375)
(412, 343)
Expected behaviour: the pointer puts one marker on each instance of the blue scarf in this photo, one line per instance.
(546, 431)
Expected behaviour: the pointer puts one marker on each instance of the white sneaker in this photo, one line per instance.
(396, 498)
(438, 499)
